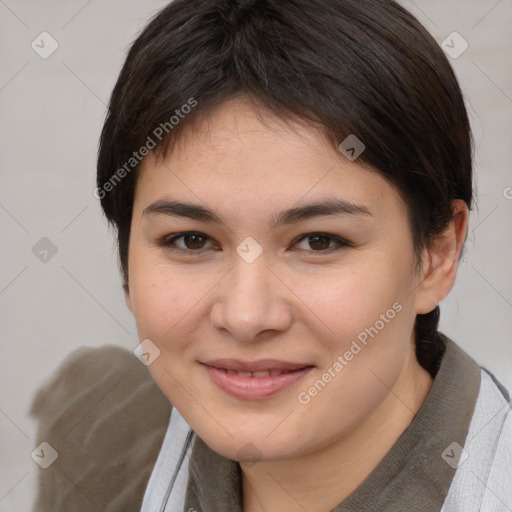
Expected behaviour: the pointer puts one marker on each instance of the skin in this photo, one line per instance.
(297, 302)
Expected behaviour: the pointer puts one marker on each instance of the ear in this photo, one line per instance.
(127, 297)
(441, 260)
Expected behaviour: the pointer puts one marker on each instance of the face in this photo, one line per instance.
(329, 294)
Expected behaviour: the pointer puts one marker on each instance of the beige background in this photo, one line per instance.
(52, 112)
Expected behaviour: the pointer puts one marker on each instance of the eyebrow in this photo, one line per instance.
(290, 216)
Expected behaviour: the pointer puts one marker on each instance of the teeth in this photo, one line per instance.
(264, 373)
(261, 374)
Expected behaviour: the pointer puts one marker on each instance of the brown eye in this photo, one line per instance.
(190, 243)
(319, 242)
(194, 241)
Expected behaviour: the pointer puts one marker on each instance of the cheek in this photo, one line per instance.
(362, 364)
(166, 304)
(345, 302)
(364, 319)
(167, 299)
(158, 303)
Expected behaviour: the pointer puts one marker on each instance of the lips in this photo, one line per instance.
(254, 380)
(261, 365)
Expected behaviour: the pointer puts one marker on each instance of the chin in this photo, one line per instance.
(251, 447)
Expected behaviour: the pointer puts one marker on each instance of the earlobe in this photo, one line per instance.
(441, 261)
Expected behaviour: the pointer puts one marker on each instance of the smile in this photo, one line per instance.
(254, 385)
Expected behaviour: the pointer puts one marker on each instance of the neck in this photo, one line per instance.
(321, 480)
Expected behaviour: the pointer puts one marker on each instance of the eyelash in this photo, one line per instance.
(168, 241)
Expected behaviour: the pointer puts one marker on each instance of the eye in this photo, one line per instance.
(321, 242)
(192, 242)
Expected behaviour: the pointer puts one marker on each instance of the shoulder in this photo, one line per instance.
(494, 407)
(484, 473)
(103, 414)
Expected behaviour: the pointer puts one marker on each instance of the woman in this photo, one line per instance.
(290, 183)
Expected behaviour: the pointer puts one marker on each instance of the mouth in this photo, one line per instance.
(264, 373)
(254, 380)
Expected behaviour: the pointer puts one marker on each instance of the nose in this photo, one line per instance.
(252, 302)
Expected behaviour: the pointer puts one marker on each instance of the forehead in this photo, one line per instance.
(240, 156)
